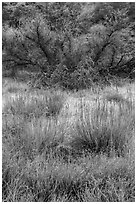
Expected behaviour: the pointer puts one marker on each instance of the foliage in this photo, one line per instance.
(63, 41)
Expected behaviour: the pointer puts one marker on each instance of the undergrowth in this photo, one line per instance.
(49, 156)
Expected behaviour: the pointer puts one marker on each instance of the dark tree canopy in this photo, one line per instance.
(71, 44)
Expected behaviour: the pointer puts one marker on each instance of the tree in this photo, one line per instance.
(90, 40)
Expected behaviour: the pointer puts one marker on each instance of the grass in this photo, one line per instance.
(10, 86)
(58, 147)
(106, 127)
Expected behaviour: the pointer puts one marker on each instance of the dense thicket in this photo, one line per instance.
(70, 44)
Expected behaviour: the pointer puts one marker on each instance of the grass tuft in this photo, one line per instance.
(105, 128)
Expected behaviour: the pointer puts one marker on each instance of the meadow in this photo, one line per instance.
(63, 146)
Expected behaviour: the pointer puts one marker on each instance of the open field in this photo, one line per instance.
(60, 146)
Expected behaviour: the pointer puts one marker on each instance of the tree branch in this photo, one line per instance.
(40, 44)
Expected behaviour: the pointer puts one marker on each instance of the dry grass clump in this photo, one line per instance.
(11, 86)
(34, 106)
(106, 127)
(32, 138)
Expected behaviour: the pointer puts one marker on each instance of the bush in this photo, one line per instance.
(80, 48)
